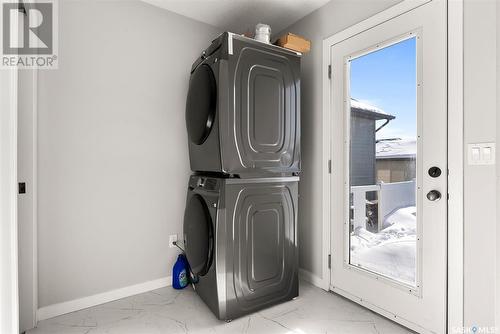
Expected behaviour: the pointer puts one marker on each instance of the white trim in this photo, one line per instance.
(55, 310)
(309, 277)
(325, 172)
(35, 195)
(9, 298)
(27, 172)
(375, 20)
(455, 165)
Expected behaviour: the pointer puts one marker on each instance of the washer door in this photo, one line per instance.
(201, 104)
(198, 235)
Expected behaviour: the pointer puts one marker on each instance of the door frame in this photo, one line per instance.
(455, 296)
(9, 301)
(31, 92)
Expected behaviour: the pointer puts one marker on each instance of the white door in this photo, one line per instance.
(389, 167)
(26, 204)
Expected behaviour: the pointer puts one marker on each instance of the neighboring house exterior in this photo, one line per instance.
(382, 171)
(363, 142)
(396, 160)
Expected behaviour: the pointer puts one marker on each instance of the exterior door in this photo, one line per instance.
(389, 168)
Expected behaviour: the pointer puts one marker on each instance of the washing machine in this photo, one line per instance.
(240, 239)
(243, 109)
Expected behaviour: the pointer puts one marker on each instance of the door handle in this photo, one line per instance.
(433, 195)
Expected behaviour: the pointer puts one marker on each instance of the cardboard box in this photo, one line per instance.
(294, 42)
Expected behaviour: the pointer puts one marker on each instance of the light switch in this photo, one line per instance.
(487, 154)
(481, 154)
(476, 154)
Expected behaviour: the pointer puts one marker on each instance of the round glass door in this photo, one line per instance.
(198, 234)
(201, 104)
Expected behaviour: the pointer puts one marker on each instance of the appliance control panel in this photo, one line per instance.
(207, 183)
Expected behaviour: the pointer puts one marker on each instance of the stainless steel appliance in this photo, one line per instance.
(241, 242)
(240, 223)
(242, 110)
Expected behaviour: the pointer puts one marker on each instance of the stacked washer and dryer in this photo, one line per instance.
(240, 222)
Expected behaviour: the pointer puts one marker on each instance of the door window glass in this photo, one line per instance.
(382, 161)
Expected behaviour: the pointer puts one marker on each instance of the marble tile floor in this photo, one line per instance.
(169, 311)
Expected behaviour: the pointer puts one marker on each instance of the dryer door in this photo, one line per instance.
(198, 235)
(201, 104)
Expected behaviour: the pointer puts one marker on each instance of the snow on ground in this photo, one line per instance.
(391, 252)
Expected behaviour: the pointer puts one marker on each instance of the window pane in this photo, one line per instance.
(383, 148)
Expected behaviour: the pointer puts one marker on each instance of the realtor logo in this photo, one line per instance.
(29, 34)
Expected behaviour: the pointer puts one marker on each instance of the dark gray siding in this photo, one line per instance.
(362, 151)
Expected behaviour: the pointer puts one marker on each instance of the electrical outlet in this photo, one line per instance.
(171, 239)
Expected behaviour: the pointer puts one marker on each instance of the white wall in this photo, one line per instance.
(113, 159)
(480, 110)
(324, 22)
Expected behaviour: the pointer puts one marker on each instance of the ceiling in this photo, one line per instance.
(239, 16)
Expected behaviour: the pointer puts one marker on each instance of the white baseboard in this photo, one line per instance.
(54, 310)
(315, 280)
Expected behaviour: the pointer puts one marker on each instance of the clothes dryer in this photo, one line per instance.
(243, 109)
